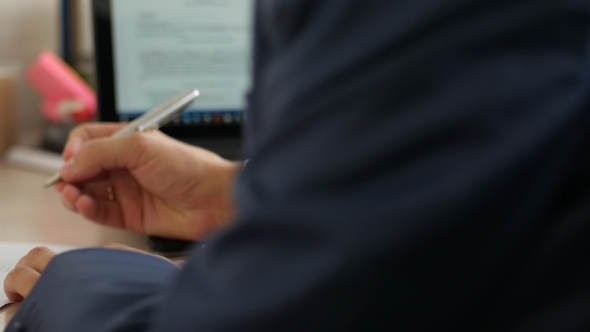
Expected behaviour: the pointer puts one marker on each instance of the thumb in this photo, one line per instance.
(107, 154)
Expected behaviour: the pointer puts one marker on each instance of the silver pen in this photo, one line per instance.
(154, 119)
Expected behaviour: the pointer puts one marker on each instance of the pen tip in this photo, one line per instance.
(53, 180)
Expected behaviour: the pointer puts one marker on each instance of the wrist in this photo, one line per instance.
(222, 207)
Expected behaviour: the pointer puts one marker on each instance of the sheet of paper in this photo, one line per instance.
(11, 253)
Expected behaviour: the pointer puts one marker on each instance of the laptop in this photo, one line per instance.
(148, 51)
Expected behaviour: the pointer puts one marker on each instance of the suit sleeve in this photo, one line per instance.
(403, 168)
(95, 290)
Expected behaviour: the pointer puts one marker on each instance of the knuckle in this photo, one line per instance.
(21, 280)
(79, 131)
(38, 250)
(20, 272)
(139, 145)
(38, 255)
(12, 276)
(31, 256)
(89, 149)
(90, 146)
(140, 140)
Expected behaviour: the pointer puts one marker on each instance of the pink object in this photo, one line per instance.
(66, 96)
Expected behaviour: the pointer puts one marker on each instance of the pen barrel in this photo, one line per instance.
(124, 132)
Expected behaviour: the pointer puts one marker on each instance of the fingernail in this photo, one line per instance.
(69, 168)
(68, 205)
(76, 145)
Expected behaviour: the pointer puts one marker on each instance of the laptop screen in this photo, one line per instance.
(160, 48)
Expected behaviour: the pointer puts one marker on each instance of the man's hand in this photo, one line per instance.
(20, 281)
(146, 183)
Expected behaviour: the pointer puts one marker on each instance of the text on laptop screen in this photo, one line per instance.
(163, 47)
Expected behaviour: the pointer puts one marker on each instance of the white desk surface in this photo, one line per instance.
(28, 213)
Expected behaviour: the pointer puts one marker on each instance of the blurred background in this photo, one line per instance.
(31, 26)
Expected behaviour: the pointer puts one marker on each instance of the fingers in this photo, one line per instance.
(93, 204)
(21, 280)
(98, 156)
(87, 132)
(37, 259)
(102, 212)
(70, 195)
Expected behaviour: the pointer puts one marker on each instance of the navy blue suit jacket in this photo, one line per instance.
(416, 165)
